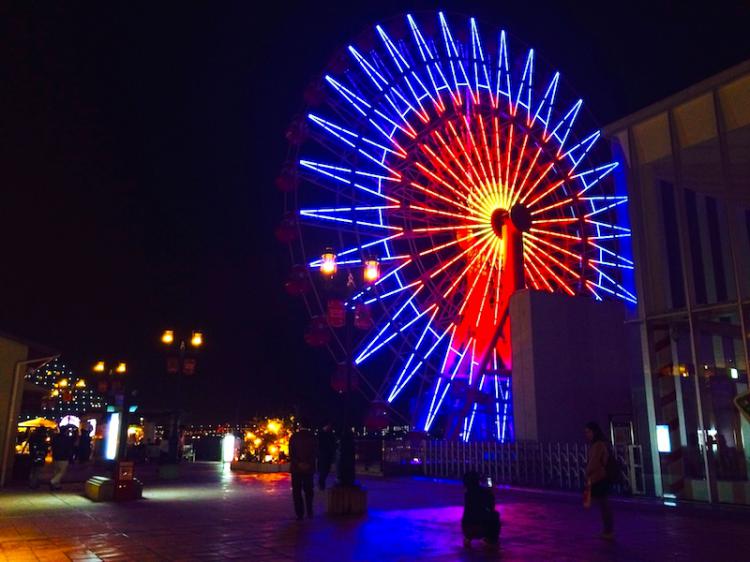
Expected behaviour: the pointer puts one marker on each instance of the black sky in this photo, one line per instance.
(139, 142)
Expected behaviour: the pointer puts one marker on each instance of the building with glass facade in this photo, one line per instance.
(686, 163)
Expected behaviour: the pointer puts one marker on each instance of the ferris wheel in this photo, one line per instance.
(437, 171)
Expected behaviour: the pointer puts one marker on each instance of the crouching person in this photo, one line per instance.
(480, 520)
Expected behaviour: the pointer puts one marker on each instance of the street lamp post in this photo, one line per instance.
(370, 275)
(116, 387)
(182, 364)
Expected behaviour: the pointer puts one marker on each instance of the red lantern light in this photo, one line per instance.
(318, 334)
(287, 181)
(339, 379)
(314, 94)
(336, 312)
(298, 282)
(296, 132)
(286, 231)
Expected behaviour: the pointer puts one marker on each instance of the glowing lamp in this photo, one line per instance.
(167, 337)
(113, 435)
(197, 339)
(81, 384)
(328, 263)
(274, 427)
(227, 448)
(99, 367)
(122, 368)
(372, 271)
(63, 383)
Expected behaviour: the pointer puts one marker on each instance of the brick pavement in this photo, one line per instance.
(216, 515)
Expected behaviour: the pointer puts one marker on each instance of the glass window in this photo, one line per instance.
(675, 407)
(723, 375)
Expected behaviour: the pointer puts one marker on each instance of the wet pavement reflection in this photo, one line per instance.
(212, 514)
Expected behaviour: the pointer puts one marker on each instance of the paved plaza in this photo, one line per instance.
(213, 514)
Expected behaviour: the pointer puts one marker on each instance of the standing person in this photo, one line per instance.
(597, 478)
(302, 459)
(84, 444)
(38, 448)
(480, 519)
(326, 453)
(164, 448)
(62, 451)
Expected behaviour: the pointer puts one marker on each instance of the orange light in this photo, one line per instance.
(274, 427)
(81, 384)
(99, 367)
(63, 383)
(328, 263)
(372, 270)
(167, 337)
(121, 368)
(197, 339)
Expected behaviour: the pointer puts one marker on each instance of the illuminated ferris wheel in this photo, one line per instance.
(448, 171)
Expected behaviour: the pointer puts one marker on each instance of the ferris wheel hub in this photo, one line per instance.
(519, 216)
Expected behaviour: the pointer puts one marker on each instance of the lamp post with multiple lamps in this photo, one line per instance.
(183, 363)
(112, 382)
(370, 275)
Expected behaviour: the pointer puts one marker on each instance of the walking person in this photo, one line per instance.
(302, 448)
(62, 451)
(597, 477)
(38, 448)
(84, 445)
(326, 454)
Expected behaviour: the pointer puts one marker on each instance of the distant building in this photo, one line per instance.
(68, 393)
(686, 168)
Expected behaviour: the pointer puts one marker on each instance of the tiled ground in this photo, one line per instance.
(215, 515)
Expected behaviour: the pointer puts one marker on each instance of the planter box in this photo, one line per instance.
(248, 466)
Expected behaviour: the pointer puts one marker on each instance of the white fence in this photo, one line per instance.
(560, 466)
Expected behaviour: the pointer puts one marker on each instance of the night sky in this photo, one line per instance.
(139, 142)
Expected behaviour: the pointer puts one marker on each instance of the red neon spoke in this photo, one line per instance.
(554, 260)
(464, 271)
(530, 277)
(446, 245)
(530, 168)
(537, 182)
(442, 197)
(506, 190)
(560, 203)
(486, 286)
(454, 158)
(447, 169)
(487, 149)
(464, 151)
(498, 160)
(553, 233)
(549, 190)
(539, 274)
(446, 214)
(475, 149)
(519, 160)
(553, 245)
(459, 256)
(560, 282)
(499, 265)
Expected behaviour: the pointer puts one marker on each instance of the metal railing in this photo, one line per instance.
(560, 466)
